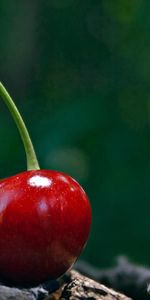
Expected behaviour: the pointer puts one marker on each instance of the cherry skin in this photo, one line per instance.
(45, 219)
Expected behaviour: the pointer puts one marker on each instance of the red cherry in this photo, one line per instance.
(45, 219)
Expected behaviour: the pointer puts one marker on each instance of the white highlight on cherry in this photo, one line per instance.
(40, 181)
(4, 202)
(42, 206)
(63, 178)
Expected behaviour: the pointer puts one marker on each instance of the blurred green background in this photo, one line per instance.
(80, 74)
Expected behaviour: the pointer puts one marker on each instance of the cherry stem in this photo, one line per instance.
(32, 163)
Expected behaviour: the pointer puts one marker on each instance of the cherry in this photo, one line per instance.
(45, 218)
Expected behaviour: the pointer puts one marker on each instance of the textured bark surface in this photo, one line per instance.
(73, 286)
(128, 278)
(81, 287)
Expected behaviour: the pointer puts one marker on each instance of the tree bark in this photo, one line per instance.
(81, 287)
(130, 279)
(72, 286)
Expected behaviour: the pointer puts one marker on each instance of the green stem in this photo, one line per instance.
(32, 163)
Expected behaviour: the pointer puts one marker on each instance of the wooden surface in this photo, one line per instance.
(125, 276)
(73, 286)
(81, 287)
